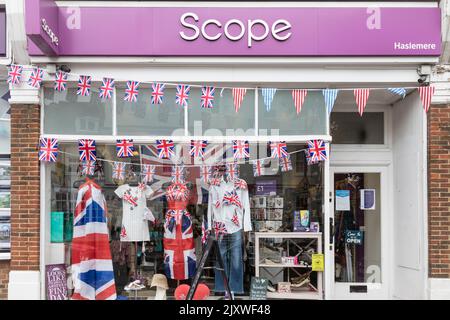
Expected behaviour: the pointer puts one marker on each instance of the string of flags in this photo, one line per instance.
(106, 90)
(48, 152)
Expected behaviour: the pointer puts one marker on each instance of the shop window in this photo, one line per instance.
(222, 120)
(274, 203)
(283, 117)
(351, 128)
(144, 118)
(67, 113)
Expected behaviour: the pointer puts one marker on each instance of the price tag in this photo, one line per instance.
(318, 262)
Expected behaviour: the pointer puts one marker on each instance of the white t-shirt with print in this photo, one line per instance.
(135, 212)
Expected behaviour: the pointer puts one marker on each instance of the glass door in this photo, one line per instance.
(356, 234)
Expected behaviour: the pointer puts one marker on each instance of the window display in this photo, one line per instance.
(152, 222)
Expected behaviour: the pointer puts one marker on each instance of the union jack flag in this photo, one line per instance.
(205, 231)
(131, 92)
(48, 149)
(240, 184)
(309, 162)
(148, 172)
(231, 198)
(198, 148)
(106, 89)
(207, 98)
(14, 74)
(84, 86)
(317, 150)
(130, 199)
(87, 150)
(278, 149)
(157, 93)
(88, 168)
(258, 168)
(178, 174)
(61, 81)
(165, 148)
(235, 219)
(219, 228)
(205, 173)
(286, 164)
(36, 77)
(241, 149)
(232, 171)
(92, 267)
(119, 171)
(125, 148)
(182, 95)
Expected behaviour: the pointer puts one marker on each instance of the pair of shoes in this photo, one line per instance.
(300, 281)
(268, 261)
(135, 285)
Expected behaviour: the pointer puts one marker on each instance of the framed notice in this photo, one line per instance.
(258, 288)
(367, 197)
(56, 282)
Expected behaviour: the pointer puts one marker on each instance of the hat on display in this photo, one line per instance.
(159, 280)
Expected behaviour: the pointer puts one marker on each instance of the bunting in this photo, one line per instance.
(36, 78)
(426, 93)
(207, 98)
(125, 148)
(238, 97)
(361, 96)
(286, 164)
(205, 174)
(165, 148)
(268, 95)
(84, 86)
(14, 74)
(258, 168)
(330, 96)
(119, 170)
(299, 96)
(61, 81)
(178, 174)
(278, 149)
(241, 149)
(398, 91)
(317, 150)
(48, 149)
(106, 89)
(158, 93)
(198, 148)
(87, 150)
(182, 95)
(148, 173)
(131, 91)
(88, 168)
(232, 171)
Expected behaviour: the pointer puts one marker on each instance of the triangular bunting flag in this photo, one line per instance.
(361, 96)
(299, 97)
(238, 97)
(398, 91)
(426, 93)
(330, 96)
(268, 94)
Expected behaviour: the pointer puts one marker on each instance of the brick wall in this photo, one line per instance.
(4, 274)
(439, 191)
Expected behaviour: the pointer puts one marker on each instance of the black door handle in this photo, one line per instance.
(331, 231)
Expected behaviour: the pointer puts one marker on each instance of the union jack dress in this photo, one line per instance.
(92, 268)
(179, 248)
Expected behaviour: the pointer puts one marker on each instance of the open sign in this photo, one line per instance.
(234, 29)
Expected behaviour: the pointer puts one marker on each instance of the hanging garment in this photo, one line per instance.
(135, 212)
(179, 249)
(92, 268)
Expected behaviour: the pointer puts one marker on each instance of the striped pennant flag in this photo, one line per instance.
(398, 91)
(299, 97)
(361, 96)
(426, 93)
(238, 97)
(268, 95)
(330, 96)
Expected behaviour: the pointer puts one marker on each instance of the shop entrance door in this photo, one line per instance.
(358, 232)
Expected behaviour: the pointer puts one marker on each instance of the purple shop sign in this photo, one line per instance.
(56, 282)
(265, 187)
(147, 31)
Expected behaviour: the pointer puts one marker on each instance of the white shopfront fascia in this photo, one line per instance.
(259, 72)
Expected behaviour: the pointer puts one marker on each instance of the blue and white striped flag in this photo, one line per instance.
(268, 94)
(399, 91)
(330, 96)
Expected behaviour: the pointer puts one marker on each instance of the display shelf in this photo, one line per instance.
(297, 293)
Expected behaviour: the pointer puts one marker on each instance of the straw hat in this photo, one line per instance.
(159, 280)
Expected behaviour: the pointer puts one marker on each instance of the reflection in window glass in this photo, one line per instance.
(144, 118)
(222, 119)
(351, 128)
(273, 200)
(68, 113)
(284, 118)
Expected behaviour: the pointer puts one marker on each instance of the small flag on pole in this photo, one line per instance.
(330, 96)
(299, 96)
(36, 77)
(361, 96)
(238, 97)
(268, 95)
(426, 93)
(106, 89)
